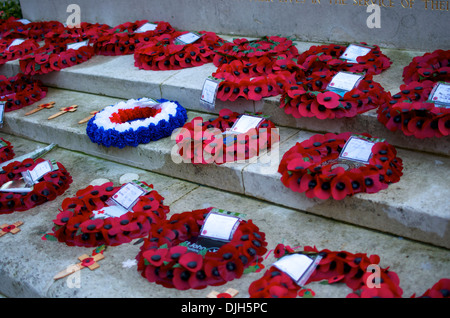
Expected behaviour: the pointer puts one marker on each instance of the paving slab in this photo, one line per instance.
(28, 263)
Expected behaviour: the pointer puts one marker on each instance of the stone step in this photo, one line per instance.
(116, 76)
(415, 207)
(28, 263)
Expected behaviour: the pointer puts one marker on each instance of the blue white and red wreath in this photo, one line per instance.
(134, 122)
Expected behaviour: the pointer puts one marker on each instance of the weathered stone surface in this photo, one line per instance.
(402, 23)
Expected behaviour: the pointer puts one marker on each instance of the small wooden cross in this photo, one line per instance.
(10, 228)
(40, 107)
(229, 293)
(86, 261)
(92, 114)
(64, 110)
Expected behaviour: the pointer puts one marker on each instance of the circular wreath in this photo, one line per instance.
(163, 259)
(161, 52)
(75, 225)
(9, 53)
(410, 112)
(123, 39)
(309, 97)
(434, 66)
(55, 57)
(352, 269)
(6, 151)
(206, 144)
(48, 188)
(20, 91)
(253, 52)
(321, 57)
(134, 122)
(312, 166)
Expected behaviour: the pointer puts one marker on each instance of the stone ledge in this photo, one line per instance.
(116, 76)
(403, 209)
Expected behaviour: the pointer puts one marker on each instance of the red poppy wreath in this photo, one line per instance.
(12, 49)
(13, 28)
(20, 91)
(76, 225)
(203, 142)
(164, 53)
(126, 37)
(434, 66)
(310, 96)
(163, 259)
(55, 57)
(46, 189)
(352, 269)
(67, 34)
(313, 167)
(332, 57)
(6, 150)
(411, 112)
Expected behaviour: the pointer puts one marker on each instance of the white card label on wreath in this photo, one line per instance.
(128, 195)
(209, 93)
(344, 81)
(77, 45)
(244, 124)
(146, 27)
(354, 51)
(357, 149)
(24, 21)
(440, 95)
(113, 211)
(220, 227)
(16, 42)
(298, 266)
(41, 169)
(187, 38)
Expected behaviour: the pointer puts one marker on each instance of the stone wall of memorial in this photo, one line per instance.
(408, 24)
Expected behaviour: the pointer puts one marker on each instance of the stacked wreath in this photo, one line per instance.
(85, 31)
(206, 144)
(434, 66)
(48, 188)
(123, 39)
(76, 226)
(309, 97)
(411, 112)
(321, 57)
(163, 259)
(20, 91)
(312, 166)
(9, 53)
(55, 57)
(334, 267)
(135, 122)
(6, 150)
(163, 53)
(34, 30)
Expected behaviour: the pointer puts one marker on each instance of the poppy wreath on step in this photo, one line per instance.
(334, 266)
(202, 142)
(48, 188)
(433, 66)
(162, 53)
(6, 150)
(20, 91)
(134, 122)
(164, 260)
(10, 53)
(254, 52)
(85, 31)
(410, 112)
(123, 39)
(76, 226)
(309, 97)
(33, 30)
(318, 58)
(312, 167)
(55, 57)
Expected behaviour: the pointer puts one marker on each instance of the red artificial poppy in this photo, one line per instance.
(191, 261)
(156, 257)
(328, 99)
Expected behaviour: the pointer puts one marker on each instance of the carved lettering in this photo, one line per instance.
(441, 5)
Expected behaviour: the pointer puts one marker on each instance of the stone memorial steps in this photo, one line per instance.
(415, 207)
(29, 263)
